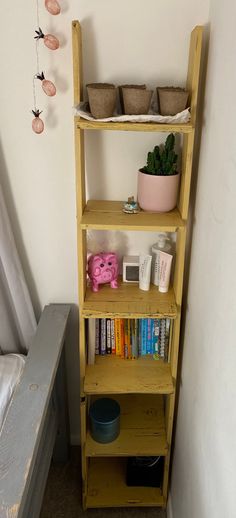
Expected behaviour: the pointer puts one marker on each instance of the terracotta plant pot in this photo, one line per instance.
(102, 99)
(136, 100)
(171, 100)
(157, 193)
(142, 87)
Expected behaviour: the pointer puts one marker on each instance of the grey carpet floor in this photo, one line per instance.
(62, 498)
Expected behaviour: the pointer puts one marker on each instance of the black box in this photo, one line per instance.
(144, 471)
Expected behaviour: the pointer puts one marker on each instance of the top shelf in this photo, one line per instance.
(84, 124)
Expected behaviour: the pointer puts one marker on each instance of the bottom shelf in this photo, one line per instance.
(107, 486)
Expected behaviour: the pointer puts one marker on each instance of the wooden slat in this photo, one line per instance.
(113, 375)
(187, 158)
(24, 424)
(133, 126)
(142, 429)
(194, 63)
(77, 62)
(108, 215)
(128, 301)
(192, 85)
(107, 486)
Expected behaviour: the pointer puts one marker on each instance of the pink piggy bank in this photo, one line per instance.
(103, 268)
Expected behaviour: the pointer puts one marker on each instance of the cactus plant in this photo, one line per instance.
(162, 161)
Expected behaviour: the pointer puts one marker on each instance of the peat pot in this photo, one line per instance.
(171, 100)
(121, 87)
(136, 99)
(102, 99)
(157, 193)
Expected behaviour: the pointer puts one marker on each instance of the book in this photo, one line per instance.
(122, 338)
(155, 335)
(167, 339)
(135, 338)
(117, 336)
(144, 337)
(149, 345)
(108, 336)
(97, 335)
(113, 342)
(91, 340)
(103, 336)
(162, 338)
(126, 346)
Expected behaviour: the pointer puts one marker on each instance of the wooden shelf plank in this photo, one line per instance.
(108, 215)
(114, 375)
(107, 487)
(128, 301)
(133, 126)
(142, 429)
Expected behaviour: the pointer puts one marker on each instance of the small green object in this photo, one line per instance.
(156, 356)
(162, 161)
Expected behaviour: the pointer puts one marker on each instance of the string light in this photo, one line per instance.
(52, 43)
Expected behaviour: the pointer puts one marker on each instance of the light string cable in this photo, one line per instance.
(37, 56)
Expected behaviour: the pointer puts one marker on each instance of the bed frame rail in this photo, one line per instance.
(30, 428)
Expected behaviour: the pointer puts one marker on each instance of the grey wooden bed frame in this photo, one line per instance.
(36, 424)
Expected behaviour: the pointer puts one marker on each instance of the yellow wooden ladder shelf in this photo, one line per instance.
(143, 383)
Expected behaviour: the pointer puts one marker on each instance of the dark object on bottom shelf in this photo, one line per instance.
(145, 471)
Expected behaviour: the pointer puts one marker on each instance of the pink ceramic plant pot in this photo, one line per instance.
(157, 193)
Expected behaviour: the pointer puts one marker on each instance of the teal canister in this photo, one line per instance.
(104, 414)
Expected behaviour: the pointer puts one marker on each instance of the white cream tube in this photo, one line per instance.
(145, 262)
(165, 268)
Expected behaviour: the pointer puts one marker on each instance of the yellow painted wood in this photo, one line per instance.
(80, 173)
(194, 64)
(187, 158)
(77, 62)
(128, 301)
(179, 264)
(107, 487)
(133, 126)
(142, 429)
(170, 404)
(114, 375)
(133, 382)
(108, 215)
(192, 85)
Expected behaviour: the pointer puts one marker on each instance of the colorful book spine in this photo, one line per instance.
(135, 347)
(103, 336)
(113, 341)
(108, 340)
(97, 336)
(144, 337)
(167, 339)
(149, 335)
(162, 337)
(122, 338)
(140, 337)
(126, 351)
(155, 336)
(117, 336)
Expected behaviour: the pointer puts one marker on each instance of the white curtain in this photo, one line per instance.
(17, 319)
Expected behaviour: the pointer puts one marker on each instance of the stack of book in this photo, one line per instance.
(128, 338)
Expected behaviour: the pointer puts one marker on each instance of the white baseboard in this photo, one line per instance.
(75, 440)
(169, 510)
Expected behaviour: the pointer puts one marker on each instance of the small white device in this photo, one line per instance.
(131, 268)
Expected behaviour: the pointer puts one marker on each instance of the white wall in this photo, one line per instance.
(123, 42)
(204, 467)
